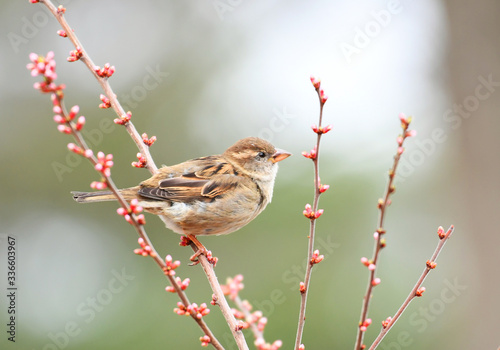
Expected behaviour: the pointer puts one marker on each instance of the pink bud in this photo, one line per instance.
(319, 213)
(64, 129)
(140, 219)
(327, 128)
(121, 211)
(73, 112)
(440, 232)
(411, 133)
(80, 123)
(262, 324)
(323, 188)
(323, 97)
(315, 81)
(59, 119)
(420, 291)
(74, 148)
(33, 57)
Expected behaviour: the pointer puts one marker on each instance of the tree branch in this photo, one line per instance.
(417, 290)
(103, 81)
(312, 213)
(383, 203)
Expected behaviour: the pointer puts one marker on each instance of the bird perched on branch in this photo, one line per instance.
(211, 195)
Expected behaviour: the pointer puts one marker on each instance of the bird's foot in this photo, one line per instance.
(192, 240)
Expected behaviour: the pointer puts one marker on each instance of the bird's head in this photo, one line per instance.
(256, 157)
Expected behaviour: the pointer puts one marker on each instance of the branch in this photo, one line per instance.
(82, 55)
(312, 213)
(417, 289)
(219, 299)
(254, 320)
(82, 148)
(103, 164)
(383, 203)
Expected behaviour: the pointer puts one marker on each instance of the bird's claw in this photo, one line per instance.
(185, 241)
(208, 254)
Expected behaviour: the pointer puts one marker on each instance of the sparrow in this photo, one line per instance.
(213, 195)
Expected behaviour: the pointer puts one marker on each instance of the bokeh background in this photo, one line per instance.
(199, 76)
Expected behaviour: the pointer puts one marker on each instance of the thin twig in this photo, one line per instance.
(139, 228)
(413, 294)
(248, 315)
(382, 205)
(220, 300)
(108, 91)
(255, 321)
(313, 215)
(150, 165)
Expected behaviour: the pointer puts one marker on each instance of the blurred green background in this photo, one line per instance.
(201, 75)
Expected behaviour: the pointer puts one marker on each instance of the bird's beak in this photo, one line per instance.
(279, 155)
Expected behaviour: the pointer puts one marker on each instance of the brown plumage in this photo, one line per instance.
(209, 195)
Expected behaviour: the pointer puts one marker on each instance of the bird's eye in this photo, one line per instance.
(260, 155)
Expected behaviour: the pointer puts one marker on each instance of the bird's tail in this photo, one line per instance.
(102, 196)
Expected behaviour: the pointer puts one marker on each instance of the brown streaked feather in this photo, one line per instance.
(177, 193)
(199, 179)
(183, 190)
(219, 186)
(102, 196)
(216, 169)
(192, 169)
(182, 182)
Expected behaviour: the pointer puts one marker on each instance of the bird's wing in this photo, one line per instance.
(188, 189)
(202, 179)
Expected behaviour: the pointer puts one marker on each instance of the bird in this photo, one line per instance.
(212, 195)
